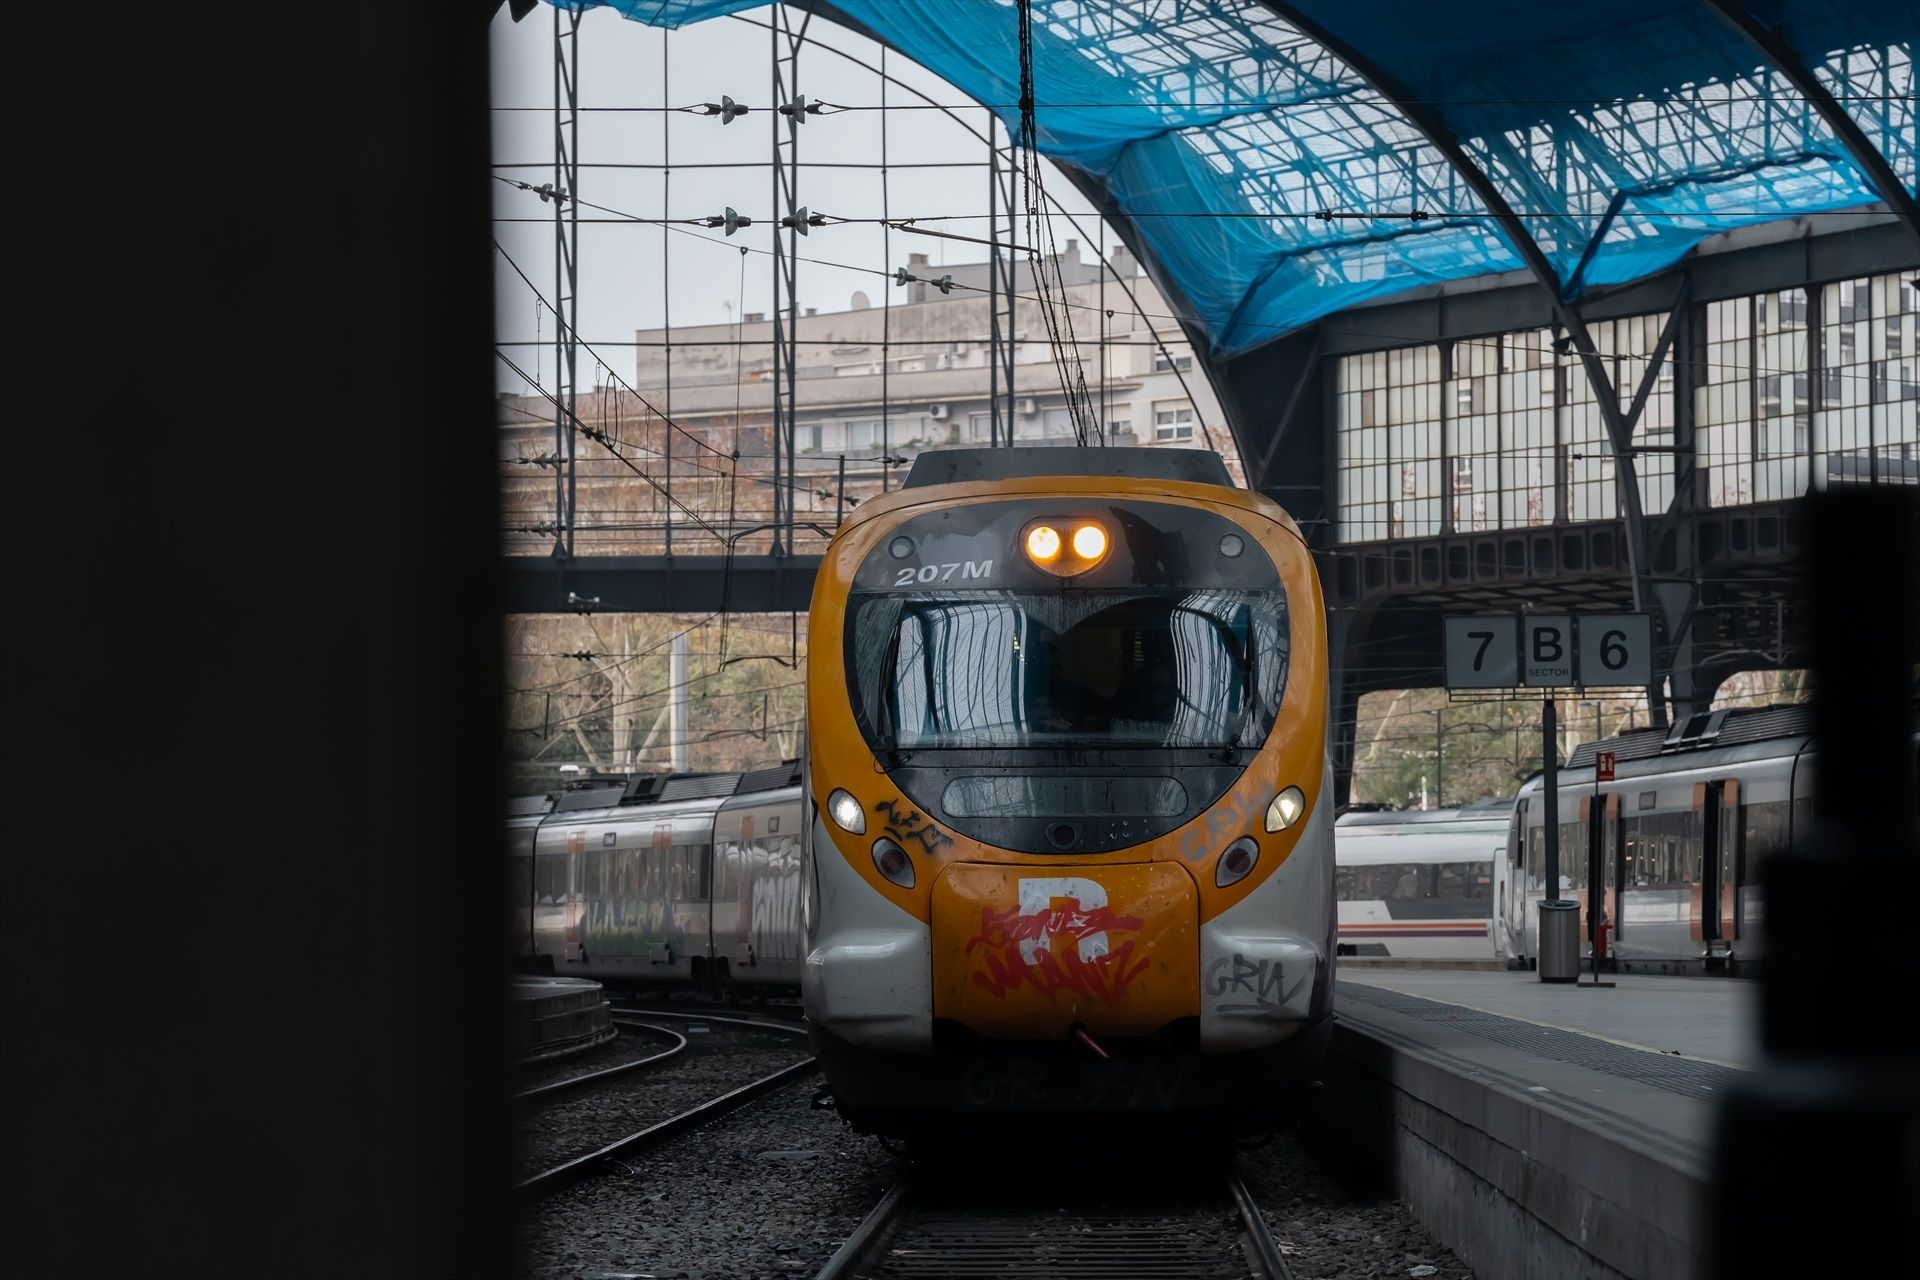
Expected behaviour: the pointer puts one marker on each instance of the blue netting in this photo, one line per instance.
(1623, 134)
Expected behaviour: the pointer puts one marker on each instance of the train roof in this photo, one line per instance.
(1493, 810)
(1732, 727)
(958, 466)
(656, 788)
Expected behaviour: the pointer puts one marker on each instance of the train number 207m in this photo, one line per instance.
(943, 572)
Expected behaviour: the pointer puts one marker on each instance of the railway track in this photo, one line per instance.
(923, 1229)
(585, 1166)
(585, 1078)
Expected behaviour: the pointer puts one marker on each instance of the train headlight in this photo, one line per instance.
(1050, 545)
(1043, 544)
(893, 862)
(1089, 542)
(846, 811)
(1286, 809)
(1236, 862)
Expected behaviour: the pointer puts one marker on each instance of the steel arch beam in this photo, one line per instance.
(1771, 44)
(1434, 128)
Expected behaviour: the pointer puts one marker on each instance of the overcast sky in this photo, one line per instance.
(630, 271)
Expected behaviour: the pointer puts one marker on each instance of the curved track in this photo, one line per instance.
(590, 1077)
(571, 1171)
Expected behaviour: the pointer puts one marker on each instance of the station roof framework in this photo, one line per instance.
(1273, 177)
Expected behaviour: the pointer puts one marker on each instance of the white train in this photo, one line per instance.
(665, 880)
(1683, 834)
(1421, 885)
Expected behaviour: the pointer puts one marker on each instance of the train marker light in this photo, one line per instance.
(1231, 545)
(1043, 544)
(893, 862)
(1236, 862)
(846, 811)
(1286, 809)
(1089, 542)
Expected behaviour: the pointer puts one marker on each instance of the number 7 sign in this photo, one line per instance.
(1483, 653)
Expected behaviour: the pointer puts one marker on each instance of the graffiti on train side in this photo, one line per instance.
(1058, 937)
(905, 823)
(769, 920)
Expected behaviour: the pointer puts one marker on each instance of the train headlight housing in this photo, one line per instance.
(1236, 862)
(1286, 809)
(1050, 545)
(846, 811)
(893, 862)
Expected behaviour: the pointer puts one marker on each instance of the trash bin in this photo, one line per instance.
(1559, 941)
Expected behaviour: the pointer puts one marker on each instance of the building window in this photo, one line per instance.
(808, 438)
(1163, 363)
(1172, 420)
(979, 428)
(1056, 424)
(1119, 426)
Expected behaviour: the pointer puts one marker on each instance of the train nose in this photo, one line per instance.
(1029, 953)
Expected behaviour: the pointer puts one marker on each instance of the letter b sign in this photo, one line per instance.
(1548, 650)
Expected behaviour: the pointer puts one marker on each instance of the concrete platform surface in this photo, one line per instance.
(1707, 1019)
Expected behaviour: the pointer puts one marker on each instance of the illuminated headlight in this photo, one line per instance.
(1286, 809)
(1089, 542)
(1236, 862)
(893, 862)
(846, 811)
(1043, 544)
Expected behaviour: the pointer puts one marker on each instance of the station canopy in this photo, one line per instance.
(1271, 183)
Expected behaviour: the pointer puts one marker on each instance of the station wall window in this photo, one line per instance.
(1792, 389)
(1389, 444)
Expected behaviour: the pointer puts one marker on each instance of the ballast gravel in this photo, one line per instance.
(770, 1190)
(773, 1189)
(1327, 1233)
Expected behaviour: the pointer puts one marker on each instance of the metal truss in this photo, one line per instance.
(1872, 162)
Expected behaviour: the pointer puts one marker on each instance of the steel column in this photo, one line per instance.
(566, 259)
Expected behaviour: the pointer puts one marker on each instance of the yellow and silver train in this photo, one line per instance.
(1070, 838)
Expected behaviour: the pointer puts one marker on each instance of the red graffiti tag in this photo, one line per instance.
(1104, 977)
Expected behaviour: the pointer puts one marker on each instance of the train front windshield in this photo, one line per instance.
(1017, 669)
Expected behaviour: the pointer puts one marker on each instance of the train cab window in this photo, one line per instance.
(1013, 669)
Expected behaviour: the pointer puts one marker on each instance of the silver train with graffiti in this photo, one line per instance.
(1674, 847)
(662, 880)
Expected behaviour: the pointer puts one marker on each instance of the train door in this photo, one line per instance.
(1733, 860)
(575, 903)
(1716, 885)
(1600, 867)
(1513, 891)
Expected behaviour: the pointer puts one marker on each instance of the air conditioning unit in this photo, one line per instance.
(1029, 406)
(937, 412)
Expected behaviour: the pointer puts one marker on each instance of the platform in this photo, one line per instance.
(553, 1017)
(1540, 1129)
